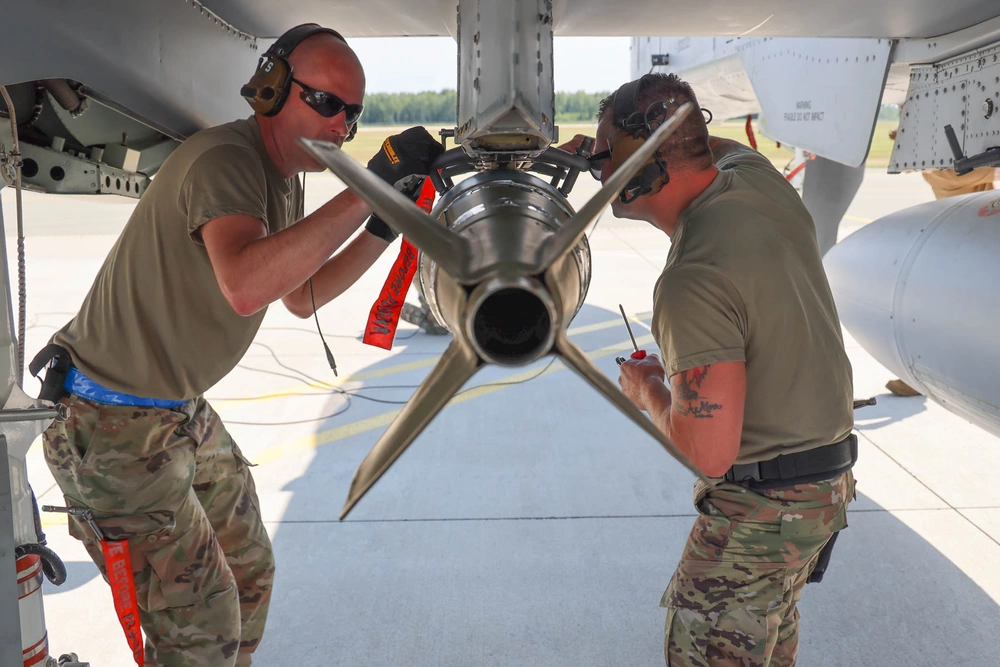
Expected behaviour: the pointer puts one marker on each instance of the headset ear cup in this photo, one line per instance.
(654, 175)
(650, 178)
(268, 88)
(623, 149)
(650, 172)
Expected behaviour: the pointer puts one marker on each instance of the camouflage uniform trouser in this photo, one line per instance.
(732, 600)
(175, 485)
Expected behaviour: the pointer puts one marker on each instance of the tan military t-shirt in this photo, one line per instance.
(155, 323)
(744, 282)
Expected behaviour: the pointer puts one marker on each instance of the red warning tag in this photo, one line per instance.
(118, 562)
(384, 315)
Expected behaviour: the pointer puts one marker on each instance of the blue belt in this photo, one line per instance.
(79, 384)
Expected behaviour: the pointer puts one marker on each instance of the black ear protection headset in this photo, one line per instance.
(269, 87)
(628, 118)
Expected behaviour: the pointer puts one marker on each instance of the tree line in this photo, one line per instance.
(442, 107)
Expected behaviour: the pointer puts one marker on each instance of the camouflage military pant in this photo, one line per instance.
(733, 600)
(175, 485)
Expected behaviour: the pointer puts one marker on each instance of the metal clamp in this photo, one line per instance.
(82, 512)
(59, 412)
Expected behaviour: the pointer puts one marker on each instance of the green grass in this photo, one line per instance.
(369, 139)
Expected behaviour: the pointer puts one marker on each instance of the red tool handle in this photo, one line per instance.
(639, 354)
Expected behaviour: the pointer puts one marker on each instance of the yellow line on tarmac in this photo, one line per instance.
(299, 390)
(856, 218)
(362, 425)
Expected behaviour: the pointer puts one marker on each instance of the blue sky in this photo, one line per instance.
(414, 64)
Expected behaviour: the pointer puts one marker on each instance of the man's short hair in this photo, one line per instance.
(688, 145)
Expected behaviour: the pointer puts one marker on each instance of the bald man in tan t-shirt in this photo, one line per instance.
(217, 237)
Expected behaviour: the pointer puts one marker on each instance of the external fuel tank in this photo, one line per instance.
(920, 290)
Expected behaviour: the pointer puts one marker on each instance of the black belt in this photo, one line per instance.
(800, 468)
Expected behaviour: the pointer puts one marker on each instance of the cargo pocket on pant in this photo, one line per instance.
(722, 611)
(135, 528)
(150, 566)
(164, 579)
(813, 532)
(167, 587)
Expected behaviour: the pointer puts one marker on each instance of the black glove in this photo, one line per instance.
(409, 186)
(405, 154)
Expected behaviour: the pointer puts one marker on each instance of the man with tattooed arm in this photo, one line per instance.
(754, 387)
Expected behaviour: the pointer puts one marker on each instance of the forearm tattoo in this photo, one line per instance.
(689, 401)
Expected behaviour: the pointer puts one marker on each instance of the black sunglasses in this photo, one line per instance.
(329, 105)
(595, 171)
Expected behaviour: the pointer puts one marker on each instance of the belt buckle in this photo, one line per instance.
(743, 473)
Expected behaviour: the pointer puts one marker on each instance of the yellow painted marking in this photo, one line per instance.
(50, 520)
(299, 390)
(362, 425)
(856, 218)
